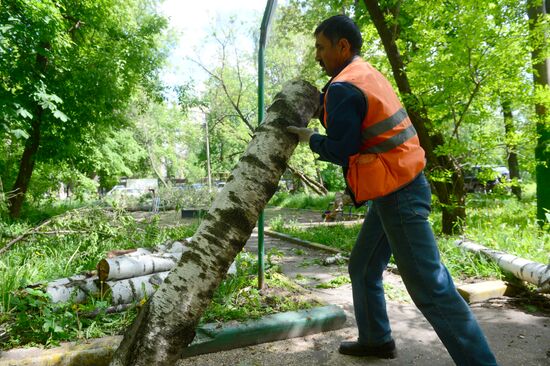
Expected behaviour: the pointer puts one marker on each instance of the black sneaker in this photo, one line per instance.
(386, 350)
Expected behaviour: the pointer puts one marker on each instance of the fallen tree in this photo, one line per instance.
(533, 272)
(167, 322)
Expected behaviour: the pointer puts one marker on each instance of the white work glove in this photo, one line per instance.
(303, 133)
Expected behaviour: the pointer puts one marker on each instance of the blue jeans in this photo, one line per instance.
(398, 224)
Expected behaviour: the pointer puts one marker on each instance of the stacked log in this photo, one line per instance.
(124, 277)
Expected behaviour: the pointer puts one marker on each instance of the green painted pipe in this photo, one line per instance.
(212, 338)
(264, 29)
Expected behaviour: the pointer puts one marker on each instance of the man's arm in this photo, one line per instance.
(345, 109)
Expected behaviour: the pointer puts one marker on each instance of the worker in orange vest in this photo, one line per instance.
(369, 134)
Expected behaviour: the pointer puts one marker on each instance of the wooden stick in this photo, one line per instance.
(20, 237)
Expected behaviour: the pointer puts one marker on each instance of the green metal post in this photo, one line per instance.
(266, 20)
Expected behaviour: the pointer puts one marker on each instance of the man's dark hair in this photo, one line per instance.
(340, 26)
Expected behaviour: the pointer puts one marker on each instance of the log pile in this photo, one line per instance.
(124, 277)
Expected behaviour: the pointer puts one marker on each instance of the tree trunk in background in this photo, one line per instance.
(451, 194)
(308, 183)
(513, 165)
(26, 165)
(541, 69)
(166, 324)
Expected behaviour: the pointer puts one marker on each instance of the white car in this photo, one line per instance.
(122, 191)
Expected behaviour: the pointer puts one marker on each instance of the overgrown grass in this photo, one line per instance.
(75, 242)
(70, 244)
(238, 298)
(496, 221)
(337, 236)
(301, 200)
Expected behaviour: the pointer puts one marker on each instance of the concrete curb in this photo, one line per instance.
(301, 242)
(210, 338)
(331, 223)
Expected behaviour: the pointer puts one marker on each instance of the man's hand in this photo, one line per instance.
(303, 133)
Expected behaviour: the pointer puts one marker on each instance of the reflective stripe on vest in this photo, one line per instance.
(390, 153)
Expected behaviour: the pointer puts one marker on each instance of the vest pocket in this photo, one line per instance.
(368, 176)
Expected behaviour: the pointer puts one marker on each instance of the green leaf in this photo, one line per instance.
(20, 134)
(24, 113)
(60, 115)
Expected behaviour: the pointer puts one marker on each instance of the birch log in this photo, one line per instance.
(76, 288)
(123, 267)
(134, 289)
(533, 272)
(166, 324)
(141, 262)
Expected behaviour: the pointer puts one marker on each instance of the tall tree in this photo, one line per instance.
(452, 62)
(538, 25)
(511, 147)
(71, 77)
(450, 192)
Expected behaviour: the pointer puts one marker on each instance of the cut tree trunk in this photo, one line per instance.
(133, 289)
(533, 272)
(167, 322)
(122, 267)
(126, 278)
(76, 289)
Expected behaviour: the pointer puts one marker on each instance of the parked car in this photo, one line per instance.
(121, 191)
(484, 178)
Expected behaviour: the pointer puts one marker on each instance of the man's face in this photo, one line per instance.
(330, 56)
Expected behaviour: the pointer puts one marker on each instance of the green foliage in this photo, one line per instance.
(68, 82)
(498, 222)
(88, 234)
(335, 282)
(77, 240)
(35, 320)
(238, 297)
(301, 200)
(396, 293)
(336, 236)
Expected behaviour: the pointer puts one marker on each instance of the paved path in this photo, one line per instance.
(516, 337)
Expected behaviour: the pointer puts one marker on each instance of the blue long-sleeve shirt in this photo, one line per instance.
(345, 109)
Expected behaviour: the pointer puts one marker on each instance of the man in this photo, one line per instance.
(370, 135)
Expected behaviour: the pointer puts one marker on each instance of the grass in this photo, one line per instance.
(238, 297)
(496, 221)
(336, 236)
(310, 202)
(335, 282)
(30, 318)
(71, 243)
(301, 200)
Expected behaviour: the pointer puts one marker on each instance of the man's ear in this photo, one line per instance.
(344, 45)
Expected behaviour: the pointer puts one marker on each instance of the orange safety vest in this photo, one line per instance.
(390, 155)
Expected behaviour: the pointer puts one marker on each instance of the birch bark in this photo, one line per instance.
(166, 324)
(533, 272)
